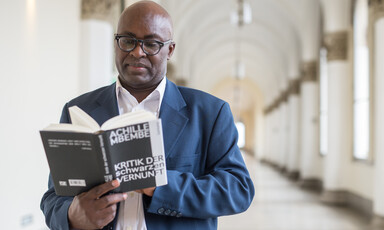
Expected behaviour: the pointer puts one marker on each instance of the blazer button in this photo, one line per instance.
(179, 214)
(167, 212)
(160, 210)
(173, 213)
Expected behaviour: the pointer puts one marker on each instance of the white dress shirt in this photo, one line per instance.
(131, 212)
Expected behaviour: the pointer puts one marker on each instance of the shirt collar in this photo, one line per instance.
(154, 99)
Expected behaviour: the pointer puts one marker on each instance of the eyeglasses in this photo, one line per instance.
(150, 47)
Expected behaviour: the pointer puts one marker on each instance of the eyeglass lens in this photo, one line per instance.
(148, 46)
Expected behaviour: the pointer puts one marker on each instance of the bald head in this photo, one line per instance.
(147, 13)
(150, 26)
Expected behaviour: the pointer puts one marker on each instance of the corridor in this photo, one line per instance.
(304, 80)
(280, 204)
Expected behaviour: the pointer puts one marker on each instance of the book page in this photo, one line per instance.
(68, 128)
(128, 119)
(81, 118)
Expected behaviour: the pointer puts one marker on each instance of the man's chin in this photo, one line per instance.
(138, 82)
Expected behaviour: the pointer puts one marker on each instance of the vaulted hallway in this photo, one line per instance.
(282, 204)
(304, 80)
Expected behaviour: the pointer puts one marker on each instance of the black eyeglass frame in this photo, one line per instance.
(141, 41)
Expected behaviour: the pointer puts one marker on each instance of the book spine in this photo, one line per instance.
(108, 169)
(157, 146)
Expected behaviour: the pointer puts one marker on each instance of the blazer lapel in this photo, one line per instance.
(172, 117)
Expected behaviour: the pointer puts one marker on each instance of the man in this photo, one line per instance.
(206, 174)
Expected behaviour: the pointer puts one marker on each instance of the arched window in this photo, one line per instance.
(361, 97)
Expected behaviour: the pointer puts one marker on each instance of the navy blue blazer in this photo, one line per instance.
(206, 173)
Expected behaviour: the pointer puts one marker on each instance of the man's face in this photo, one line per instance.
(137, 69)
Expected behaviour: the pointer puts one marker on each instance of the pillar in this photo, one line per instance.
(269, 129)
(377, 11)
(99, 20)
(267, 136)
(336, 26)
(294, 129)
(271, 132)
(275, 135)
(310, 162)
(310, 167)
(283, 134)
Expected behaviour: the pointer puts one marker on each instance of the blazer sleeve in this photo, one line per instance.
(55, 208)
(226, 187)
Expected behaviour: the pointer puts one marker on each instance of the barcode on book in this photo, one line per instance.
(79, 183)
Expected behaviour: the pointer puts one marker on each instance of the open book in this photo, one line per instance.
(82, 155)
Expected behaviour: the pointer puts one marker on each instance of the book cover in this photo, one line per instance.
(132, 154)
(137, 155)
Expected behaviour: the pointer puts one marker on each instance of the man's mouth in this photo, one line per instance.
(137, 68)
(137, 65)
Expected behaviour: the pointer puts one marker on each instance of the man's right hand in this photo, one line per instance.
(90, 210)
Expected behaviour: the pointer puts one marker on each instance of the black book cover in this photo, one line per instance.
(134, 155)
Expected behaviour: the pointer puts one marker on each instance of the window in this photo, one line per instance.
(323, 102)
(361, 97)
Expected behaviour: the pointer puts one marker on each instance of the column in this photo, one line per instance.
(310, 162)
(294, 129)
(275, 125)
(274, 135)
(271, 136)
(267, 136)
(378, 78)
(336, 25)
(310, 167)
(99, 18)
(283, 137)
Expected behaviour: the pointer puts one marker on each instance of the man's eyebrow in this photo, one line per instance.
(128, 34)
(152, 36)
(149, 36)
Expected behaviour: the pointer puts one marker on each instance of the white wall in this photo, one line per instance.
(96, 48)
(39, 72)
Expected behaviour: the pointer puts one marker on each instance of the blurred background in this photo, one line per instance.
(304, 78)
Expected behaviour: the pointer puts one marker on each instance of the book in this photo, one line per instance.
(82, 155)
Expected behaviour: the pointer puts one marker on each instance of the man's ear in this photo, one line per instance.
(172, 47)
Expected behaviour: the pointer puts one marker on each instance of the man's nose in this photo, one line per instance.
(138, 52)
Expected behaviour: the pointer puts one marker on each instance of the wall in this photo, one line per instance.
(39, 73)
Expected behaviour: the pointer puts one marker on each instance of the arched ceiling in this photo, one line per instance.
(271, 47)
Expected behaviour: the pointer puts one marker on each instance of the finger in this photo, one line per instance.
(109, 200)
(110, 210)
(106, 216)
(98, 191)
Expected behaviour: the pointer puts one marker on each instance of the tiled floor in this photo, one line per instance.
(279, 204)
